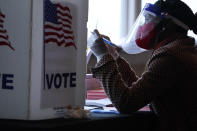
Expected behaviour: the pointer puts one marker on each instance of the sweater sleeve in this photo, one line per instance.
(155, 81)
(126, 72)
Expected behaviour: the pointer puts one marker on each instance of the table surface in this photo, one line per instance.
(140, 119)
(144, 119)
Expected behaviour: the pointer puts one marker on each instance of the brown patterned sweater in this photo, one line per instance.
(169, 84)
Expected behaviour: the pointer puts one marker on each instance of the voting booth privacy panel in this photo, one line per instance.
(42, 57)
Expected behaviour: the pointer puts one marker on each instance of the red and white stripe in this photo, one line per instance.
(4, 39)
(96, 94)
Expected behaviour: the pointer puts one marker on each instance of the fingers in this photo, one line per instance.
(97, 37)
(96, 32)
(106, 37)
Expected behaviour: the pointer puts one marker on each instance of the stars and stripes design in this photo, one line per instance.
(4, 39)
(58, 25)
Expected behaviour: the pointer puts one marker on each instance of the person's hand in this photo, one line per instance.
(111, 49)
(97, 45)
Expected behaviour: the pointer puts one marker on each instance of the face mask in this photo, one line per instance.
(145, 36)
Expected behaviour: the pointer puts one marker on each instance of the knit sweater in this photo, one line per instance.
(169, 84)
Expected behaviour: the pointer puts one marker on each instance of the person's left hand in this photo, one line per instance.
(97, 45)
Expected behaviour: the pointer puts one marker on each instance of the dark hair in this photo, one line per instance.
(179, 10)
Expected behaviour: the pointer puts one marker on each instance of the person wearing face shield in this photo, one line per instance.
(169, 83)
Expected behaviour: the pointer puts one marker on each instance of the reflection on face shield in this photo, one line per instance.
(148, 17)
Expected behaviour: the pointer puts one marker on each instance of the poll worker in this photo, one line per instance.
(169, 83)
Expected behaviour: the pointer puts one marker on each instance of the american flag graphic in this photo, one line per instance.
(4, 39)
(58, 25)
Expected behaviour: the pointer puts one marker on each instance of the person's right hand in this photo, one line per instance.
(111, 49)
(97, 45)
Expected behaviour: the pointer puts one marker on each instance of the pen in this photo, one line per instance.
(108, 42)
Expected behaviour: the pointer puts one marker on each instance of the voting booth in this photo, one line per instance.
(42, 57)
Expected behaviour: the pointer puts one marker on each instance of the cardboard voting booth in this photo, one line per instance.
(42, 57)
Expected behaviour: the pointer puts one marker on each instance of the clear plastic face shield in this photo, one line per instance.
(142, 36)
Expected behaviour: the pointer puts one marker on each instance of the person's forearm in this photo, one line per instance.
(107, 72)
(126, 72)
